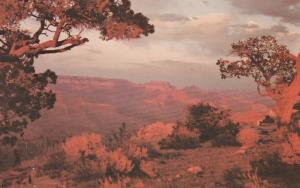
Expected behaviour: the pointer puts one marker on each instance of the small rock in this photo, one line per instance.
(195, 170)
(178, 176)
(240, 152)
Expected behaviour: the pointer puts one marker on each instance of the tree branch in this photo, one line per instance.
(58, 31)
(62, 49)
(35, 49)
(40, 30)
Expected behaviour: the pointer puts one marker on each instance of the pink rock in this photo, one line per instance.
(195, 170)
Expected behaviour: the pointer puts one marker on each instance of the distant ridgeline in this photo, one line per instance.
(97, 104)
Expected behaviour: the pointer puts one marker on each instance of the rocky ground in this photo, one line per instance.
(175, 172)
(201, 167)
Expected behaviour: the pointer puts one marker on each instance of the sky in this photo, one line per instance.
(191, 35)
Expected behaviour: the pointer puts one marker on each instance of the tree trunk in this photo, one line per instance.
(290, 96)
(284, 108)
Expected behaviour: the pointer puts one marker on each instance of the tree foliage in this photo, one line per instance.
(61, 23)
(270, 64)
(53, 26)
(23, 94)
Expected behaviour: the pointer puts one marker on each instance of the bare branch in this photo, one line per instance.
(58, 31)
(40, 30)
(73, 43)
(35, 49)
(57, 50)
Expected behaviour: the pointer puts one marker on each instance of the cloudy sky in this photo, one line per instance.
(190, 36)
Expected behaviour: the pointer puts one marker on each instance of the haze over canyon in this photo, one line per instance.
(97, 104)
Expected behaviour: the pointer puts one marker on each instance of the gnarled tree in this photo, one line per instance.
(58, 27)
(273, 67)
(61, 22)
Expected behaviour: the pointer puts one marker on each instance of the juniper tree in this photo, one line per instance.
(59, 26)
(273, 67)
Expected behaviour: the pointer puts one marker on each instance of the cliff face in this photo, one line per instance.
(96, 104)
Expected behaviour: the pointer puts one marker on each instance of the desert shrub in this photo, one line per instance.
(295, 117)
(127, 163)
(224, 139)
(90, 159)
(281, 133)
(86, 145)
(85, 153)
(139, 157)
(214, 125)
(86, 169)
(153, 151)
(139, 147)
(208, 124)
(290, 152)
(176, 142)
(152, 134)
(206, 119)
(269, 165)
(118, 165)
(181, 138)
(227, 135)
(272, 168)
(248, 137)
(55, 164)
(268, 119)
(236, 178)
(118, 138)
(27, 149)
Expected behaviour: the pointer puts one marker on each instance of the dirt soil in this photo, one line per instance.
(213, 161)
(173, 168)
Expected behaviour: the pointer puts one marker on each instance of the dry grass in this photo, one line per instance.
(290, 152)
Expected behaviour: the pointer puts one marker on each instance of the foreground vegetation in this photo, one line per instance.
(242, 156)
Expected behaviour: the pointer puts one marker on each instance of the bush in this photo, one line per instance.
(290, 152)
(90, 159)
(208, 124)
(268, 119)
(207, 120)
(84, 146)
(227, 135)
(85, 153)
(181, 138)
(175, 142)
(236, 178)
(269, 165)
(224, 139)
(272, 168)
(151, 135)
(56, 163)
(213, 124)
(118, 138)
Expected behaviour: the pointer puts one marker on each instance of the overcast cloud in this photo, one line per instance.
(190, 36)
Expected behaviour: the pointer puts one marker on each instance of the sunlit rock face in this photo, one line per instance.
(97, 104)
